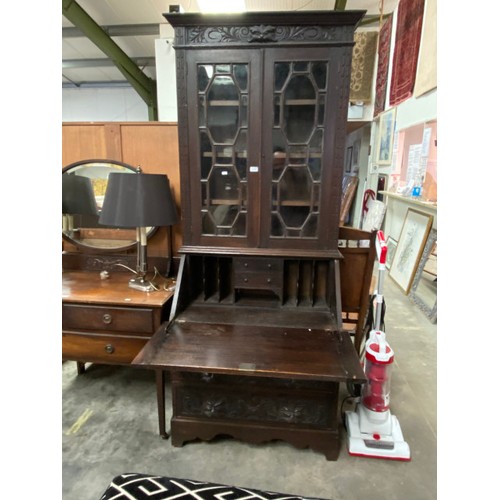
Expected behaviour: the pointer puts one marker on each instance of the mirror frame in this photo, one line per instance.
(429, 311)
(84, 246)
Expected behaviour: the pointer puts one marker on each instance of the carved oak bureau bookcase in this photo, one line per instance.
(254, 341)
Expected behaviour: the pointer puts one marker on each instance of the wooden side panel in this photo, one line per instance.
(82, 141)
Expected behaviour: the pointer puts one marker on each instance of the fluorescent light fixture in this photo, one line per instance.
(210, 6)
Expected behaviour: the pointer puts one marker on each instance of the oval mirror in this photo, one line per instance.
(83, 189)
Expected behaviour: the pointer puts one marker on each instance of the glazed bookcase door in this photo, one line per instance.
(223, 109)
(299, 175)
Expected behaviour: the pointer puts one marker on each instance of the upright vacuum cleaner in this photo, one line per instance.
(372, 430)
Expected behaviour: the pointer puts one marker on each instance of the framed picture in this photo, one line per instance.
(391, 250)
(411, 243)
(348, 159)
(423, 291)
(355, 156)
(386, 126)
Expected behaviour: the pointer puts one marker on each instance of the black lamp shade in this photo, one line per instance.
(78, 195)
(138, 200)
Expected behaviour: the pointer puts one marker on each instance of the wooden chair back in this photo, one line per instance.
(356, 279)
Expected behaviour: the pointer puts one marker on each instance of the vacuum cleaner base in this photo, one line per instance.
(374, 444)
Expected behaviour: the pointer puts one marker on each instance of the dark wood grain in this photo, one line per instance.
(278, 352)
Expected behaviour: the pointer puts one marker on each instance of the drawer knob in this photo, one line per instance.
(246, 264)
(269, 266)
(107, 318)
(245, 280)
(269, 280)
(109, 349)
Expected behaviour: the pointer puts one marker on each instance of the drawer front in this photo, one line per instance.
(102, 318)
(258, 273)
(257, 265)
(106, 349)
(258, 281)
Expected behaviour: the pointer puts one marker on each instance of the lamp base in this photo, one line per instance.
(141, 285)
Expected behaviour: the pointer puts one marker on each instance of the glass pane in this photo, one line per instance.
(277, 228)
(321, 109)
(294, 217)
(281, 71)
(223, 155)
(310, 229)
(201, 111)
(319, 73)
(223, 184)
(239, 227)
(277, 109)
(295, 185)
(206, 154)
(204, 75)
(300, 66)
(240, 149)
(208, 226)
(315, 167)
(298, 142)
(240, 72)
(298, 155)
(223, 118)
(224, 215)
(223, 68)
(300, 106)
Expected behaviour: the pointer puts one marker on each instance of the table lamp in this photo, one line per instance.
(139, 200)
(77, 199)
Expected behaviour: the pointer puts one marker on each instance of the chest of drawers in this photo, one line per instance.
(105, 321)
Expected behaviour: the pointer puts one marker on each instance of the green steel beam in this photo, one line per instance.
(143, 85)
(340, 4)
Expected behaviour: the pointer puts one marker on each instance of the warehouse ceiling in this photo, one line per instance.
(112, 42)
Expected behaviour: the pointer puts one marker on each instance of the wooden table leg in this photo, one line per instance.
(80, 367)
(160, 397)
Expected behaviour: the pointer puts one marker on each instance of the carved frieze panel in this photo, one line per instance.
(271, 408)
(260, 34)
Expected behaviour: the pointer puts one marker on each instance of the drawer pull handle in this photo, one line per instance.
(269, 280)
(245, 280)
(107, 318)
(246, 264)
(109, 349)
(269, 266)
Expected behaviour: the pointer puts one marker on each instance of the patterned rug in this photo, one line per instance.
(405, 59)
(135, 486)
(383, 66)
(363, 62)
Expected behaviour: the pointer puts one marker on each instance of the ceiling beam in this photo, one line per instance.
(143, 85)
(103, 62)
(117, 30)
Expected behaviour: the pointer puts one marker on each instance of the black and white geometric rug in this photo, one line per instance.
(133, 486)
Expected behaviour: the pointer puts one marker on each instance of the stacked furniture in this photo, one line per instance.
(254, 343)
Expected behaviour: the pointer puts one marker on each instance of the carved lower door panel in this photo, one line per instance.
(256, 410)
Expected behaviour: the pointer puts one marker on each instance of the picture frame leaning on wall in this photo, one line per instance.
(411, 243)
(386, 128)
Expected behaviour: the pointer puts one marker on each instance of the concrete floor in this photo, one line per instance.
(110, 427)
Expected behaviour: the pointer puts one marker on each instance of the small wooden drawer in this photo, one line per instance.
(259, 273)
(101, 348)
(258, 265)
(102, 318)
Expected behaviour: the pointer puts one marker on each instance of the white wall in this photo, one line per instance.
(120, 104)
(165, 75)
(92, 104)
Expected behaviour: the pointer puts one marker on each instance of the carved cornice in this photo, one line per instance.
(260, 34)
